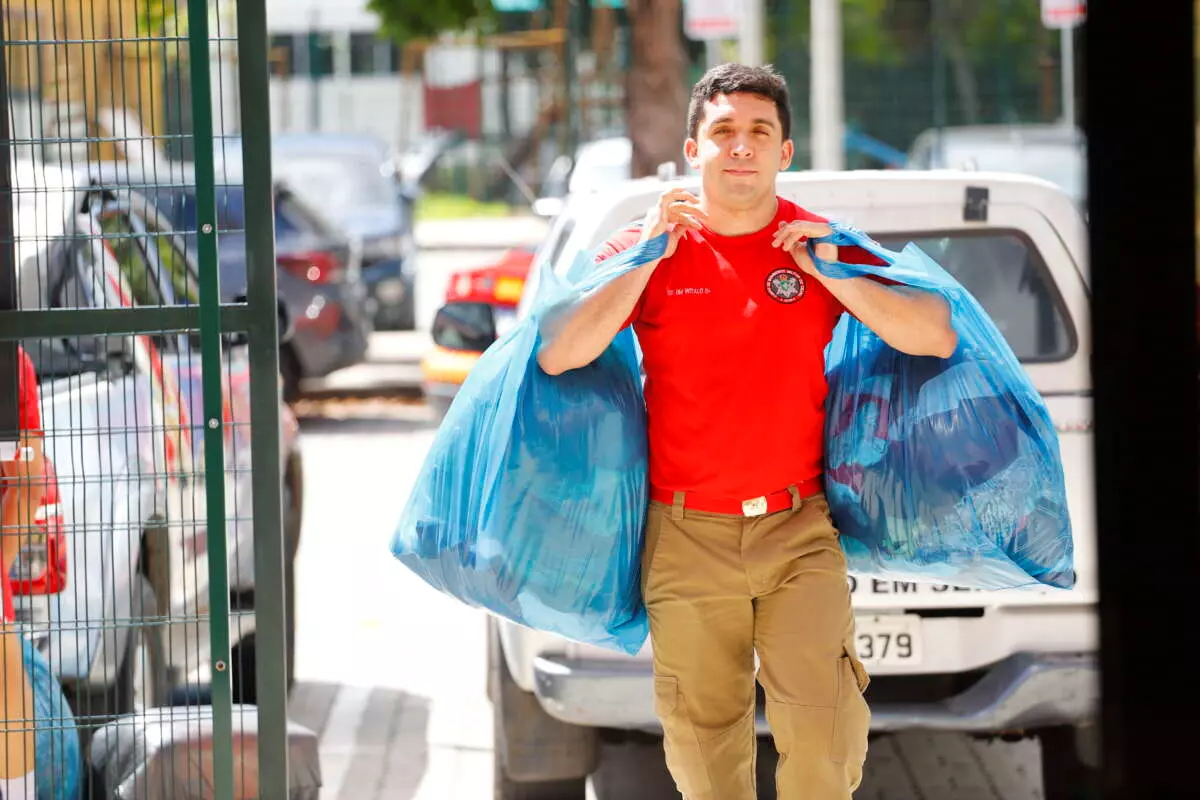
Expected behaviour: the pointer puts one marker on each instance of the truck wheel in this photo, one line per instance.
(1065, 775)
(244, 654)
(537, 757)
(141, 681)
(507, 789)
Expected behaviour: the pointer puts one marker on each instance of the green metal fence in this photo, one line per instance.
(149, 558)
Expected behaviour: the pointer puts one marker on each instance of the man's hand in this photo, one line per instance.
(676, 212)
(22, 492)
(793, 238)
(29, 465)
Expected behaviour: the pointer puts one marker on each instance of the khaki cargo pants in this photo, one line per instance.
(720, 588)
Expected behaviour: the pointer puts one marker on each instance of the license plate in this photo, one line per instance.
(892, 640)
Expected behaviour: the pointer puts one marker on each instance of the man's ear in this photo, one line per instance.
(691, 152)
(789, 150)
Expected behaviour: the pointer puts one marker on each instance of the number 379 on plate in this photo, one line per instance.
(890, 640)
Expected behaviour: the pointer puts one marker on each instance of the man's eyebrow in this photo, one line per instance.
(729, 118)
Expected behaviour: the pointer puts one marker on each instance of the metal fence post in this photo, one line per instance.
(8, 259)
(210, 359)
(254, 89)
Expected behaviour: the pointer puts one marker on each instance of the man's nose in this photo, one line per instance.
(741, 149)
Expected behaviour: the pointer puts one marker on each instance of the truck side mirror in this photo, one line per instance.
(464, 326)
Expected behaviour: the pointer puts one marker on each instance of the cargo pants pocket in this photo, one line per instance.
(852, 722)
(685, 758)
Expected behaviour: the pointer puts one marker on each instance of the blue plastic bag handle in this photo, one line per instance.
(848, 236)
(556, 292)
(626, 261)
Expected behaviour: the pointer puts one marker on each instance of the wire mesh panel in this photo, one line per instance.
(147, 458)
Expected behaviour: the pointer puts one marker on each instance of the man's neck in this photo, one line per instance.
(728, 221)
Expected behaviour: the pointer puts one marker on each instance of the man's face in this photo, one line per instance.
(739, 149)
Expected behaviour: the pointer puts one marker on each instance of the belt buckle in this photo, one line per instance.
(754, 507)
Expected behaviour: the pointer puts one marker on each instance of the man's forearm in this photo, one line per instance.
(911, 320)
(580, 335)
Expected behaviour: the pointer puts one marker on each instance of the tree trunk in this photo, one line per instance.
(655, 95)
(955, 21)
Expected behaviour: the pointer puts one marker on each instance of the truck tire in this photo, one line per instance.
(537, 757)
(507, 789)
(141, 681)
(1065, 773)
(244, 654)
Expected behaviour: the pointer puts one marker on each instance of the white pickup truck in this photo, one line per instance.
(994, 662)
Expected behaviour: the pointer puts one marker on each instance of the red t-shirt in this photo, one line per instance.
(733, 336)
(29, 418)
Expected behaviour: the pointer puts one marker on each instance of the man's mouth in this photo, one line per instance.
(739, 172)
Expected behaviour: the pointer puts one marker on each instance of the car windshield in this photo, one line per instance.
(597, 175)
(600, 166)
(336, 182)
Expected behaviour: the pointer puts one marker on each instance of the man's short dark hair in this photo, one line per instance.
(733, 78)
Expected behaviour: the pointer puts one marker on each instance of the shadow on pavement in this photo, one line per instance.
(634, 769)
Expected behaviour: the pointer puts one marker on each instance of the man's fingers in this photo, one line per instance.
(788, 238)
(668, 199)
(684, 215)
(678, 194)
(812, 229)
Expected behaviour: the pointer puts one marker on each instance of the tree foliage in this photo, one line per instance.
(405, 20)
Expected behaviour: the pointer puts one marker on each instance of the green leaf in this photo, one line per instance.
(405, 20)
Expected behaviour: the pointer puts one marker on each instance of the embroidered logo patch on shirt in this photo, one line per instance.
(785, 285)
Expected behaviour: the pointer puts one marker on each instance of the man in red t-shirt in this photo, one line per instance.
(21, 493)
(741, 556)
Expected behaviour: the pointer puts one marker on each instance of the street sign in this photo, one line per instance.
(1063, 13)
(708, 20)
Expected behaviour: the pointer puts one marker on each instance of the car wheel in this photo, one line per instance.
(142, 680)
(542, 745)
(1065, 774)
(244, 655)
(406, 313)
(506, 789)
(290, 374)
(293, 519)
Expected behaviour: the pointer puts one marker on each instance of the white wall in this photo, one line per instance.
(298, 16)
(385, 105)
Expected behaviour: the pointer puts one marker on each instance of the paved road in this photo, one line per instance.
(391, 673)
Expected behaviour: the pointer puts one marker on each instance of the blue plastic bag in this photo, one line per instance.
(58, 761)
(532, 500)
(943, 470)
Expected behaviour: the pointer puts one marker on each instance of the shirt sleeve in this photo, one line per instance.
(619, 242)
(29, 413)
